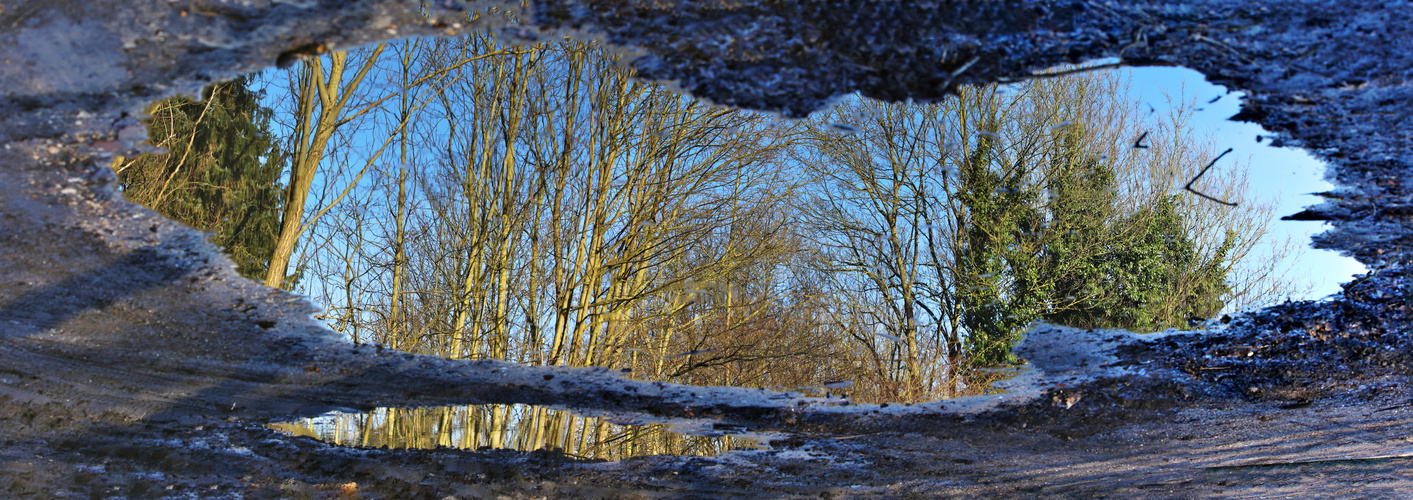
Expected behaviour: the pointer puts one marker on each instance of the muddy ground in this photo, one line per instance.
(135, 363)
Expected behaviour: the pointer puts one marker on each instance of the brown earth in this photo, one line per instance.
(134, 362)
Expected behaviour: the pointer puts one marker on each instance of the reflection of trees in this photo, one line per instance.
(547, 209)
(945, 229)
(565, 214)
(518, 427)
(220, 172)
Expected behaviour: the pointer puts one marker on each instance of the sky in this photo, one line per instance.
(1290, 173)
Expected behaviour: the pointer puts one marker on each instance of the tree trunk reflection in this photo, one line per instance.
(497, 426)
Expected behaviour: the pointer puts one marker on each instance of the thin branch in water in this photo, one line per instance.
(1138, 144)
(1057, 74)
(887, 336)
(844, 127)
(1188, 187)
(690, 353)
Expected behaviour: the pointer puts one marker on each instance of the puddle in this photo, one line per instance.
(1288, 177)
(887, 252)
(521, 427)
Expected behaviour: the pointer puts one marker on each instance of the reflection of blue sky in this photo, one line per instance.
(1289, 173)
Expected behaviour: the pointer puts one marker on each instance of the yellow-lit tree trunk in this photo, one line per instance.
(321, 102)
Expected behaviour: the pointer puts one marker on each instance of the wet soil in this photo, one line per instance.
(135, 363)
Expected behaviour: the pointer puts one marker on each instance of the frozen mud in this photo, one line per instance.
(135, 363)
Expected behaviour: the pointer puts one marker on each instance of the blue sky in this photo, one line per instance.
(1287, 173)
(1290, 173)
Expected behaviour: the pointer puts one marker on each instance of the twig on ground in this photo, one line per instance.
(1056, 74)
(1305, 463)
(1394, 407)
(958, 72)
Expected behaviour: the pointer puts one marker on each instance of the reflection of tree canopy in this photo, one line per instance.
(546, 208)
(220, 171)
(1004, 206)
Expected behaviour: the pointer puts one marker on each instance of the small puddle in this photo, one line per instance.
(520, 427)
